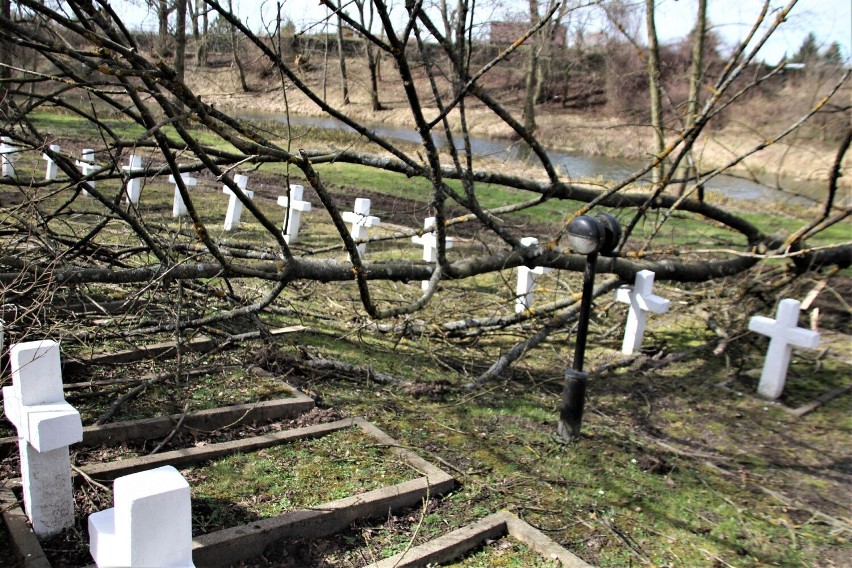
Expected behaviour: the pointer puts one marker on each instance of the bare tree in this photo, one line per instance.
(45, 255)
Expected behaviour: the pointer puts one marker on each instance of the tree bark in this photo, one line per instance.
(235, 46)
(5, 60)
(180, 44)
(532, 79)
(163, 11)
(696, 76)
(344, 83)
(654, 88)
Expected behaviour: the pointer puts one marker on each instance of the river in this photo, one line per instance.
(581, 166)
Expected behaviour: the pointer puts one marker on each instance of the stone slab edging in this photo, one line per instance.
(454, 544)
(209, 420)
(24, 544)
(228, 546)
(108, 471)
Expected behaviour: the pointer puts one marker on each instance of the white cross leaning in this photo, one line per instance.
(47, 425)
(150, 524)
(87, 166)
(235, 206)
(179, 207)
(134, 185)
(783, 334)
(641, 302)
(7, 156)
(429, 242)
(52, 169)
(361, 219)
(524, 295)
(293, 217)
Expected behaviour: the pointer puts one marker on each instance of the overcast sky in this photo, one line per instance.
(830, 20)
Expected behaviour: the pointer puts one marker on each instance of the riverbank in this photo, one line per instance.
(589, 134)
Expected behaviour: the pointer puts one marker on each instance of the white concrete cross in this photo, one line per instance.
(235, 206)
(46, 425)
(361, 219)
(641, 302)
(179, 207)
(52, 169)
(429, 242)
(524, 295)
(134, 185)
(295, 207)
(784, 332)
(150, 524)
(87, 166)
(7, 156)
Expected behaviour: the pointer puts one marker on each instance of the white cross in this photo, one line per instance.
(293, 217)
(87, 166)
(783, 334)
(134, 185)
(429, 242)
(524, 295)
(361, 219)
(235, 206)
(7, 156)
(46, 425)
(179, 207)
(52, 168)
(641, 302)
(150, 524)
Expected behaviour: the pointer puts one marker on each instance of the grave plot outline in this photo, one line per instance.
(228, 546)
(461, 541)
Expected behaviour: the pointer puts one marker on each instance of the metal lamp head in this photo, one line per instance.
(585, 234)
(612, 232)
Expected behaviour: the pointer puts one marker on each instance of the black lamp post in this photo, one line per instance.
(589, 236)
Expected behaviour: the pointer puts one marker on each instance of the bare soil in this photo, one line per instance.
(592, 132)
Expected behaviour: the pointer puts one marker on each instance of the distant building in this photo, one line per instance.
(507, 33)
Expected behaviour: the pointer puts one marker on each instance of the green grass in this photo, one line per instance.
(504, 553)
(245, 487)
(222, 388)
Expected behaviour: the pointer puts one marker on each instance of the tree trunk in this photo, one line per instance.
(5, 60)
(372, 65)
(180, 43)
(532, 80)
(163, 25)
(200, 34)
(695, 77)
(236, 51)
(344, 84)
(654, 88)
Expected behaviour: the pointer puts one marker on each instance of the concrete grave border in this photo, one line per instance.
(228, 546)
(210, 419)
(25, 546)
(458, 542)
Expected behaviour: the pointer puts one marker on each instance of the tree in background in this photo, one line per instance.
(808, 52)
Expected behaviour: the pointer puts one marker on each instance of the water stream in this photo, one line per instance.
(578, 165)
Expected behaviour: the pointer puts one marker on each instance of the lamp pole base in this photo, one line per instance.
(573, 401)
